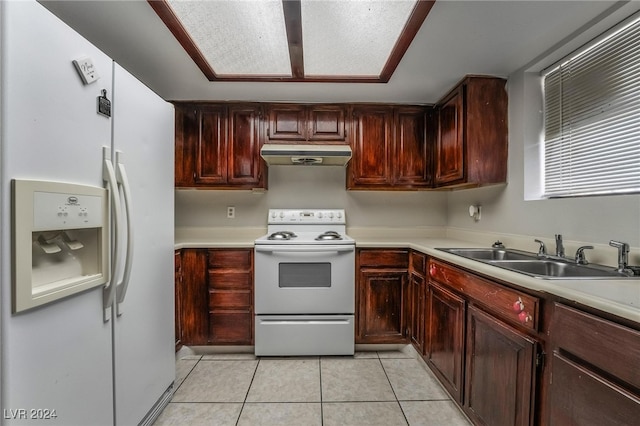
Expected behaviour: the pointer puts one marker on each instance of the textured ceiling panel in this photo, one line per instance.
(238, 37)
(351, 37)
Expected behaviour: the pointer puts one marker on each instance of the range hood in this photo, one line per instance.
(293, 155)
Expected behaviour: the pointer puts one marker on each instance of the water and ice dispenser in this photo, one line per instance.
(60, 241)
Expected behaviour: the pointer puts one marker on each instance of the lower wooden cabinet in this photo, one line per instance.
(483, 350)
(500, 371)
(215, 303)
(177, 280)
(231, 296)
(594, 370)
(381, 283)
(444, 351)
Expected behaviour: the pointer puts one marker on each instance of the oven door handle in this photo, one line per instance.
(305, 322)
(304, 249)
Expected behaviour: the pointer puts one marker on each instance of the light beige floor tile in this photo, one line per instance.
(433, 413)
(393, 354)
(281, 414)
(411, 381)
(217, 381)
(197, 414)
(366, 354)
(362, 413)
(286, 381)
(354, 380)
(220, 357)
(183, 368)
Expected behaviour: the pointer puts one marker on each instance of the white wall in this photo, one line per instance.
(504, 209)
(311, 187)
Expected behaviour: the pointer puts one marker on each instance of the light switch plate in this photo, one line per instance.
(87, 70)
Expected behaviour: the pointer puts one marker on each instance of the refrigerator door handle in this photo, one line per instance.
(123, 284)
(109, 176)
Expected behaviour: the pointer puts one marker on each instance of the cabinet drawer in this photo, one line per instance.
(233, 327)
(418, 262)
(603, 344)
(384, 258)
(230, 299)
(236, 259)
(511, 305)
(229, 279)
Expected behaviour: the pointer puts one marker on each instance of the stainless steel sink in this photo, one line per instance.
(531, 264)
(546, 268)
(491, 253)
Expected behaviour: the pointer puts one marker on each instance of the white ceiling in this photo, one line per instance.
(457, 38)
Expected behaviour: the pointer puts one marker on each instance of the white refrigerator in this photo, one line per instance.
(63, 363)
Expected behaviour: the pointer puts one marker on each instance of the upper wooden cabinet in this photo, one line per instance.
(296, 123)
(472, 138)
(218, 146)
(391, 148)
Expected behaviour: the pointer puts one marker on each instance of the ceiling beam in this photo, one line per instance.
(293, 24)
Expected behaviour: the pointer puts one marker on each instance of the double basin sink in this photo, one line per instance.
(540, 267)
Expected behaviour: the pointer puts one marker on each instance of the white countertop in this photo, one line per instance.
(618, 297)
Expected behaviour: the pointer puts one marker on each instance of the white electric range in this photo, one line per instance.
(305, 284)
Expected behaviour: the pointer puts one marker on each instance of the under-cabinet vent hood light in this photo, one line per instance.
(293, 155)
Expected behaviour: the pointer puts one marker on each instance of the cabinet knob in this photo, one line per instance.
(433, 269)
(518, 305)
(524, 317)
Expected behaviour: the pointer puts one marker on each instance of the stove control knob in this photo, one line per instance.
(281, 215)
(320, 215)
(331, 215)
(273, 214)
(339, 215)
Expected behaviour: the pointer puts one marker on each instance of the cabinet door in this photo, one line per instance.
(211, 152)
(193, 298)
(186, 139)
(177, 283)
(326, 123)
(500, 369)
(449, 156)
(412, 164)
(245, 166)
(380, 306)
(287, 123)
(414, 308)
(581, 397)
(445, 338)
(372, 148)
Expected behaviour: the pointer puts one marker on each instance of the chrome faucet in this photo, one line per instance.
(623, 254)
(542, 250)
(559, 246)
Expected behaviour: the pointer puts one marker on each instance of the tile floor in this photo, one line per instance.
(371, 388)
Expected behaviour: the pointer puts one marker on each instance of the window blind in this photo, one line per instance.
(592, 118)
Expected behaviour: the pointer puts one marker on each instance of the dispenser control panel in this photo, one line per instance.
(54, 210)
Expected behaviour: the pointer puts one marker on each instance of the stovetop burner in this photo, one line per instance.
(329, 235)
(282, 235)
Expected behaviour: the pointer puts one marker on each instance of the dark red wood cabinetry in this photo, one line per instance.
(230, 296)
(391, 148)
(216, 297)
(472, 139)
(381, 283)
(218, 146)
(415, 300)
(594, 370)
(488, 361)
(445, 329)
(297, 123)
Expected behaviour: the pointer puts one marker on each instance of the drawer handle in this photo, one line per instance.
(433, 269)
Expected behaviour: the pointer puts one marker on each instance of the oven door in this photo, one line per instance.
(304, 279)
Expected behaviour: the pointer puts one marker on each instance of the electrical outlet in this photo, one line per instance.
(231, 212)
